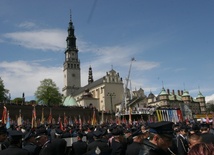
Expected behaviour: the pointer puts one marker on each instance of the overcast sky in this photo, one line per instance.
(171, 40)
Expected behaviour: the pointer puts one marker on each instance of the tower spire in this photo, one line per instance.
(70, 16)
(90, 76)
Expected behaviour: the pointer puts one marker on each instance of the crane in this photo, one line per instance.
(124, 102)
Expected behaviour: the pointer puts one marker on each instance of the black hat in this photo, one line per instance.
(3, 130)
(41, 132)
(116, 132)
(79, 134)
(29, 135)
(58, 132)
(15, 135)
(97, 133)
(137, 133)
(162, 128)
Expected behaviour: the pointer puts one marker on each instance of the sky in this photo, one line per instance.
(171, 40)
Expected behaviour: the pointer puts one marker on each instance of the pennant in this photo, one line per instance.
(8, 120)
(50, 117)
(19, 119)
(130, 115)
(33, 122)
(65, 120)
(4, 116)
(94, 120)
(61, 125)
(207, 119)
(80, 123)
(42, 117)
(158, 115)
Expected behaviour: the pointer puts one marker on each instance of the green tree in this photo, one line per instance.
(3, 92)
(48, 93)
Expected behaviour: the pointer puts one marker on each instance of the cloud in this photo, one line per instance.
(27, 25)
(22, 76)
(46, 39)
(209, 98)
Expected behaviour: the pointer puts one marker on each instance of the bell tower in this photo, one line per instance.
(71, 66)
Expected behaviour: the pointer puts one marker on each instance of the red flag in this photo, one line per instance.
(34, 123)
(65, 120)
(60, 124)
(50, 117)
(4, 116)
(207, 119)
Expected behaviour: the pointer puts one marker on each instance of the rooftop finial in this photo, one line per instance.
(70, 15)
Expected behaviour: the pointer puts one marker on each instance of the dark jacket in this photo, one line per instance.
(147, 145)
(182, 145)
(134, 148)
(14, 150)
(207, 138)
(79, 147)
(118, 148)
(98, 146)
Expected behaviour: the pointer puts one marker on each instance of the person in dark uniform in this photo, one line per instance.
(182, 142)
(164, 133)
(118, 144)
(207, 137)
(79, 147)
(148, 144)
(42, 141)
(98, 146)
(15, 145)
(4, 143)
(30, 143)
(136, 145)
(89, 135)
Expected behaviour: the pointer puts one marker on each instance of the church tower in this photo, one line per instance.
(71, 64)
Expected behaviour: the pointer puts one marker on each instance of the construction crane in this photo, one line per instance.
(124, 102)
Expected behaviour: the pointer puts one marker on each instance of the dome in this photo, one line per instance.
(151, 95)
(200, 95)
(70, 101)
(163, 92)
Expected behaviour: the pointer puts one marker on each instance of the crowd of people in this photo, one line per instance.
(157, 138)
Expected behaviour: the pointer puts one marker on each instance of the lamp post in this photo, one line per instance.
(111, 95)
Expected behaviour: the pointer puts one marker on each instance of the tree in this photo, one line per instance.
(3, 92)
(48, 93)
(210, 106)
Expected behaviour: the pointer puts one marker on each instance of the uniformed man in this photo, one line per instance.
(164, 133)
(207, 137)
(79, 147)
(42, 141)
(136, 145)
(118, 144)
(98, 146)
(30, 143)
(15, 138)
(182, 142)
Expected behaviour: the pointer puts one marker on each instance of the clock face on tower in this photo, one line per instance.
(73, 75)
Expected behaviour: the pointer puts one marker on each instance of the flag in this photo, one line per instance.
(207, 119)
(158, 115)
(130, 115)
(80, 122)
(4, 116)
(94, 120)
(8, 120)
(65, 120)
(19, 119)
(60, 124)
(33, 122)
(50, 117)
(42, 117)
